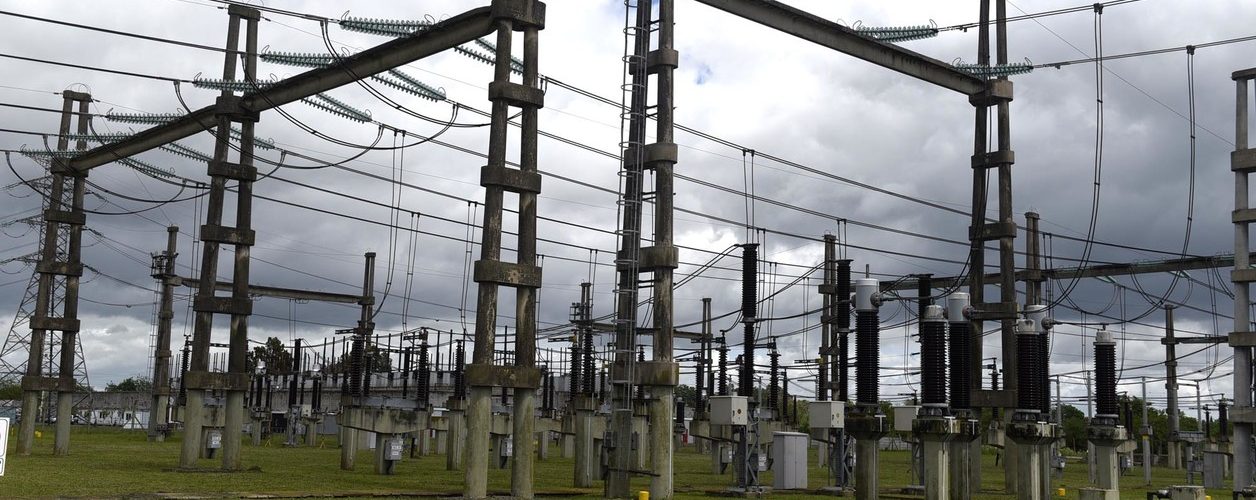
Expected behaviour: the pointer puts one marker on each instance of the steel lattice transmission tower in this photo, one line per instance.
(13, 353)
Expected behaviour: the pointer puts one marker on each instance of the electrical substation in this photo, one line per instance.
(565, 350)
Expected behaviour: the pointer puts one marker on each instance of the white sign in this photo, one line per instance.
(4, 441)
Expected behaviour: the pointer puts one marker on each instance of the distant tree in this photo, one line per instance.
(380, 361)
(131, 384)
(1073, 422)
(687, 394)
(273, 355)
(10, 391)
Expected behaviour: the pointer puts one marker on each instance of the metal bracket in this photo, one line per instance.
(658, 59)
(515, 377)
(223, 305)
(1243, 414)
(215, 380)
(54, 324)
(996, 92)
(521, 13)
(1243, 160)
(232, 106)
(233, 171)
(1243, 275)
(1242, 339)
(507, 273)
(514, 94)
(651, 258)
(228, 235)
(60, 268)
(995, 310)
(36, 383)
(986, 398)
(64, 217)
(1243, 74)
(656, 373)
(993, 231)
(993, 159)
(510, 179)
(653, 153)
(62, 166)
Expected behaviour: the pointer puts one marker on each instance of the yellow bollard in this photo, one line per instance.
(1060, 492)
(643, 495)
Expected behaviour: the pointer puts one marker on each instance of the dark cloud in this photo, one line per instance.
(739, 81)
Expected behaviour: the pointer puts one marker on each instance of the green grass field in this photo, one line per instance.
(107, 462)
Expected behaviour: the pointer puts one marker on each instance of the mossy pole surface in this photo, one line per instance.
(50, 270)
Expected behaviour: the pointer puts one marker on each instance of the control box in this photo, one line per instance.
(903, 417)
(827, 414)
(729, 410)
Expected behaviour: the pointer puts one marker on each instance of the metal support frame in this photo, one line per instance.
(200, 382)
(829, 34)
(1243, 450)
(164, 271)
(1171, 390)
(452, 32)
(633, 259)
(491, 273)
(57, 270)
(356, 383)
(1001, 160)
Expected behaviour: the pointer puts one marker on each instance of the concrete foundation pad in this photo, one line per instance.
(1098, 494)
(1186, 493)
(746, 492)
(381, 420)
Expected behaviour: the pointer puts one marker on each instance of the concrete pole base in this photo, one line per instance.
(456, 434)
(1098, 494)
(255, 431)
(384, 464)
(65, 410)
(936, 433)
(348, 448)
(585, 452)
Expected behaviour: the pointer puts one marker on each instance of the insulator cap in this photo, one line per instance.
(1036, 312)
(956, 304)
(1026, 326)
(1104, 337)
(866, 291)
(933, 313)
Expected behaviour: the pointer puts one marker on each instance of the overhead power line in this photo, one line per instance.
(1036, 15)
(1142, 53)
(611, 102)
(96, 68)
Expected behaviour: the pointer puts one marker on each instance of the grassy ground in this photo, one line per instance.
(107, 462)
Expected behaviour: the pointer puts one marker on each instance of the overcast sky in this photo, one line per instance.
(737, 81)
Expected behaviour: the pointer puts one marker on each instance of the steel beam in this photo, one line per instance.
(812, 28)
(1096, 271)
(285, 293)
(441, 36)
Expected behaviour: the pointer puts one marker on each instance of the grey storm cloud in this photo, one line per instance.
(738, 81)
